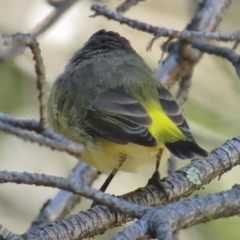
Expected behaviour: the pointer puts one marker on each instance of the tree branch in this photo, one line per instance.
(42, 27)
(96, 220)
(31, 42)
(58, 207)
(101, 10)
(126, 5)
(182, 57)
(46, 138)
(223, 52)
(162, 222)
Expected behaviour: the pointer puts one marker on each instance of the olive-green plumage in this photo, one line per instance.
(109, 99)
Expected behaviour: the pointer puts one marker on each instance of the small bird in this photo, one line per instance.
(108, 99)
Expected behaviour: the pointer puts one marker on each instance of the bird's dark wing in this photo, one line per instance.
(181, 149)
(171, 108)
(119, 118)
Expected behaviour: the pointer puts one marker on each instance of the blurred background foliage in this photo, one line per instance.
(212, 109)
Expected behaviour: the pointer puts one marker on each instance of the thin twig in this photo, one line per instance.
(126, 5)
(33, 125)
(235, 46)
(32, 43)
(70, 147)
(26, 124)
(46, 23)
(158, 32)
(223, 52)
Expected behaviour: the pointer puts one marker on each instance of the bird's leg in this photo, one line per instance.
(108, 180)
(122, 159)
(156, 175)
(158, 159)
(103, 188)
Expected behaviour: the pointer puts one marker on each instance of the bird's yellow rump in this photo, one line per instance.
(110, 100)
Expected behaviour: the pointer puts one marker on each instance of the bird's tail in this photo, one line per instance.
(186, 149)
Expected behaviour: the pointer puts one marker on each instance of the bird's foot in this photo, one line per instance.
(155, 180)
(95, 203)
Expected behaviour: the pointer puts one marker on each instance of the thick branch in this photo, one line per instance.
(162, 222)
(177, 185)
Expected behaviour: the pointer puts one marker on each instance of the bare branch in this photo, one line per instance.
(27, 124)
(68, 185)
(5, 234)
(200, 209)
(42, 27)
(98, 219)
(126, 5)
(33, 125)
(183, 58)
(31, 42)
(159, 222)
(162, 222)
(137, 230)
(58, 207)
(101, 10)
(223, 52)
(51, 140)
(205, 208)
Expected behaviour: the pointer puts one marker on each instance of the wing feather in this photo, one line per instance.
(182, 149)
(171, 108)
(117, 117)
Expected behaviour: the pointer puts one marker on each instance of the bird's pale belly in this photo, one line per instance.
(105, 155)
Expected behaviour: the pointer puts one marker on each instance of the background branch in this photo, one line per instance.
(223, 52)
(126, 5)
(182, 58)
(46, 23)
(31, 42)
